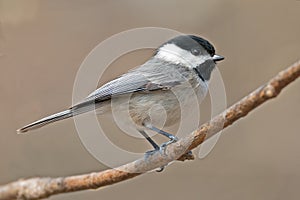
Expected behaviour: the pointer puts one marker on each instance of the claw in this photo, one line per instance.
(149, 153)
(161, 148)
(160, 169)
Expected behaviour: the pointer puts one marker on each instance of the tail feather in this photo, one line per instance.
(47, 120)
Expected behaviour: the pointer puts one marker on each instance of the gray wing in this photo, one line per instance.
(148, 77)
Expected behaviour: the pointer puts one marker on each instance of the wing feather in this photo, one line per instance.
(148, 77)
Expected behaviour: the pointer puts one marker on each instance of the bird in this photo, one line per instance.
(182, 63)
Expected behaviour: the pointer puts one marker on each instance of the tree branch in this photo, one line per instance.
(37, 188)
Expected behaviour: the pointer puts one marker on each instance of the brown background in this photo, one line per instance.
(44, 42)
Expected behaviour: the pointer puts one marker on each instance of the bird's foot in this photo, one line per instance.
(163, 147)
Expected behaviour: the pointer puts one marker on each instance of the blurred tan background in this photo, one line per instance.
(42, 44)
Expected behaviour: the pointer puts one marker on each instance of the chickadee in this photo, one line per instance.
(183, 62)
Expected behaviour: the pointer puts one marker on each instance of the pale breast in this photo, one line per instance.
(163, 107)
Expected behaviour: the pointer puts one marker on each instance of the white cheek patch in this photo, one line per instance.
(174, 54)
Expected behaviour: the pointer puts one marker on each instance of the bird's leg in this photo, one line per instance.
(155, 146)
(168, 135)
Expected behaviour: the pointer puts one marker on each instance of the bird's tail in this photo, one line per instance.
(47, 120)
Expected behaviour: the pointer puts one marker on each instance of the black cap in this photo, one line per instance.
(190, 42)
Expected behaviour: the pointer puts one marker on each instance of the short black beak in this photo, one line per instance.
(217, 58)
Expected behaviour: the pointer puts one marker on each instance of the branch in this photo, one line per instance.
(37, 188)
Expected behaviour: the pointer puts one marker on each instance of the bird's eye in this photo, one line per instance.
(195, 52)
